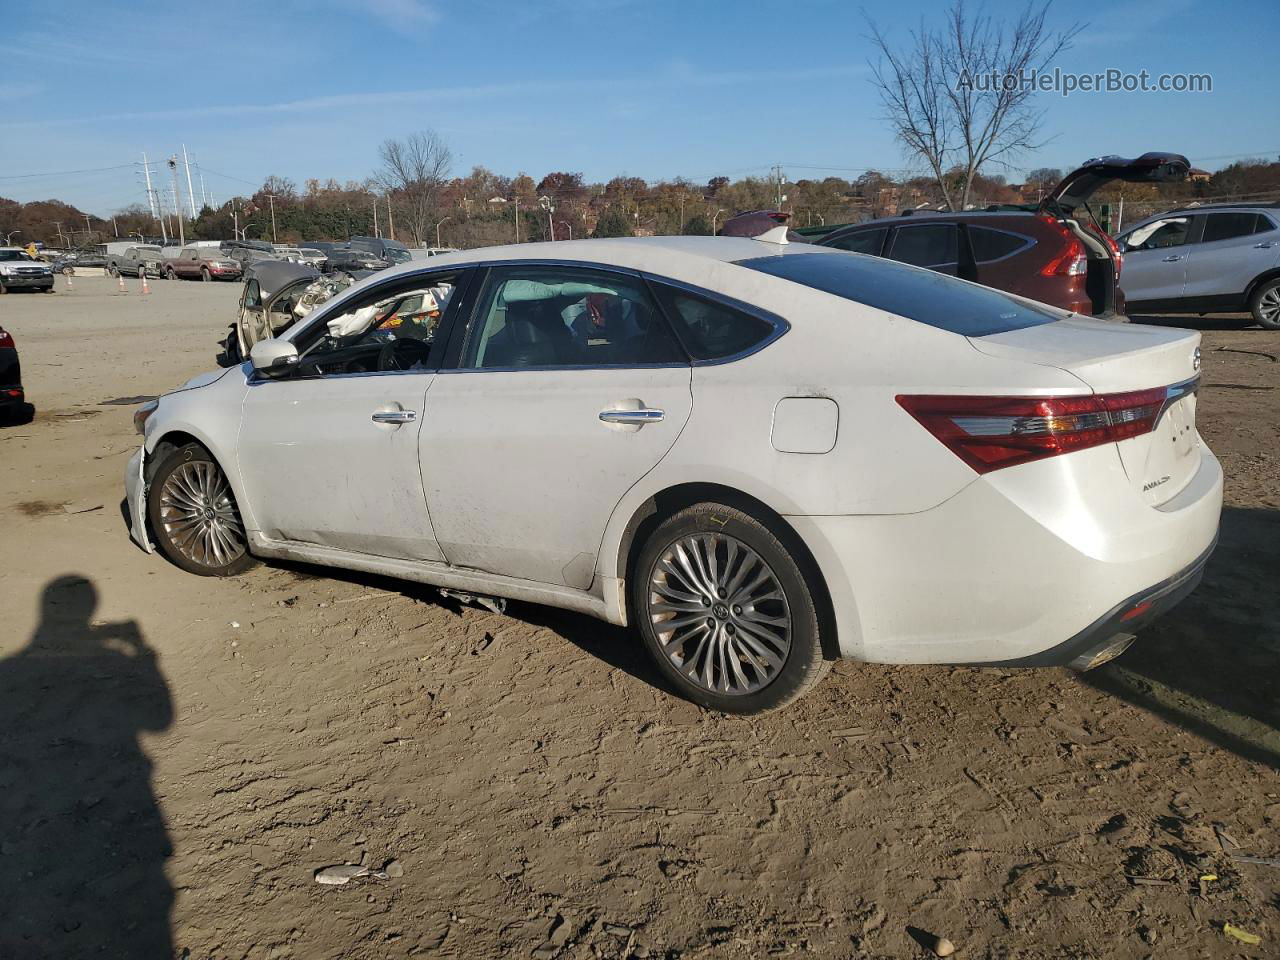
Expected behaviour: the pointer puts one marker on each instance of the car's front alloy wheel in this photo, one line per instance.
(726, 610)
(194, 516)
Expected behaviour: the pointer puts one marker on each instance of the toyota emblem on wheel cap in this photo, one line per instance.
(1195, 360)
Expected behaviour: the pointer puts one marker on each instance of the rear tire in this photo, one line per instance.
(194, 518)
(747, 636)
(1265, 304)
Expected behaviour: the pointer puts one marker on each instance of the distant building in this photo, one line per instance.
(1196, 175)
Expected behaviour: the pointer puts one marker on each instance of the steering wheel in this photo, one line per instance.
(403, 354)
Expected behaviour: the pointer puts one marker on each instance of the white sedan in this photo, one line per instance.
(763, 456)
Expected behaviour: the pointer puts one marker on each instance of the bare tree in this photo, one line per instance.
(959, 96)
(415, 170)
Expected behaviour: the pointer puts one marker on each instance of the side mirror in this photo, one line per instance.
(273, 358)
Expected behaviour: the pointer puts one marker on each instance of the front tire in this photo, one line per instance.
(1265, 305)
(727, 611)
(204, 275)
(193, 514)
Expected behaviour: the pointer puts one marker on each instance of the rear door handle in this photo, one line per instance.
(1172, 259)
(395, 416)
(638, 417)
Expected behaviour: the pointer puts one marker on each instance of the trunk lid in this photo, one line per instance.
(1119, 358)
(1080, 184)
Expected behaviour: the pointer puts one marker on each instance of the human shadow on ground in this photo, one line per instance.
(1211, 665)
(83, 843)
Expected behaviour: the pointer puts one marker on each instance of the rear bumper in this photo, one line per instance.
(1029, 567)
(1109, 636)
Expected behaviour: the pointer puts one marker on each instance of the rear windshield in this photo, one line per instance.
(921, 295)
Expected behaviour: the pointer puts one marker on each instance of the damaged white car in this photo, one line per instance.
(762, 455)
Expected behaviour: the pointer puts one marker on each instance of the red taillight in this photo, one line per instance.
(5, 340)
(989, 433)
(1072, 260)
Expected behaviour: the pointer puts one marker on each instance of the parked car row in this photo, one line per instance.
(1211, 258)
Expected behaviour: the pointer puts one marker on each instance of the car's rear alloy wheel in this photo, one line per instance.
(1265, 305)
(194, 516)
(726, 611)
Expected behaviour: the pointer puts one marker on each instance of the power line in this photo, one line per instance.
(65, 173)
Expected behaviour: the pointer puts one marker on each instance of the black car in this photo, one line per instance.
(12, 398)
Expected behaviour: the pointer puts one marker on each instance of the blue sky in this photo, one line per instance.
(650, 88)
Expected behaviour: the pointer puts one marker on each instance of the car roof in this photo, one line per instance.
(657, 254)
(1204, 208)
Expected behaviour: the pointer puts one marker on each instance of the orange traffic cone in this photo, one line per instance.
(145, 287)
(120, 278)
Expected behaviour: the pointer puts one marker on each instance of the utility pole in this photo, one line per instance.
(57, 225)
(88, 229)
(778, 183)
(391, 223)
(517, 220)
(177, 202)
(271, 199)
(191, 194)
(681, 213)
(203, 196)
(151, 197)
(375, 218)
(235, 221)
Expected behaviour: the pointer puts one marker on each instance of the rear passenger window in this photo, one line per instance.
(863, 241)
(934, 245)
(1227, 226)
(991, 245)
(712, 330)
(540, 317)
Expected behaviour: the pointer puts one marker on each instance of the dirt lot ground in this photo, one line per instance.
(179, 755)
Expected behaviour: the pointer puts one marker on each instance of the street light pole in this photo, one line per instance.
(8, 237)
(438, 243)
(714, 217)
(570, 226)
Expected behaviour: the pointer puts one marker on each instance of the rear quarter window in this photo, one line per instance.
(921, 295)
(989, 245)
(711, 330)
(861, 241)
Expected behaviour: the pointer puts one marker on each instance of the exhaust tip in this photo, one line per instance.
(1103, 653)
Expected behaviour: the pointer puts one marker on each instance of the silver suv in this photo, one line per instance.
(1214, 258)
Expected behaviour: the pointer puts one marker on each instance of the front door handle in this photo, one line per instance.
(1267, 245)
(1172, 259)
(636, 417)
(394, 416)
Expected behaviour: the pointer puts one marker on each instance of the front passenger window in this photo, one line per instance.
(393, 331)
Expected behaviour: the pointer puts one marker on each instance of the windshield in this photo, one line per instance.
(149, 252)
(396, 254)
(912, 292)
(14, 255)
